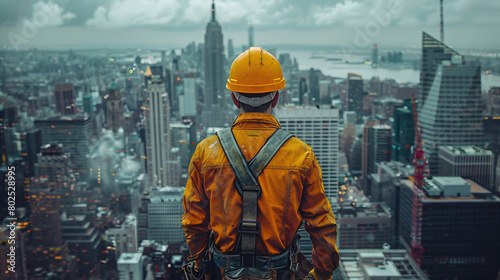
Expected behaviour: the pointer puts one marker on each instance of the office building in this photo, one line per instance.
(18, 271)
(317, 127)
(75, 134)
(387, 264)
(84, 242)
(376, 148)
(215, 78)
(451, 228)
(88, 104)
(114, 108)
(47, 248)
(468, 162)
(65, 98)
(53, 163)
(364, 226)
(355, 96)
(230, 49)
(314, 86)
(375, 55)
(403, 138)
(250, 36)
(433, 53)
(159, 217)
(157, 111)
(131, 266)
(123, 234)
(450, 100)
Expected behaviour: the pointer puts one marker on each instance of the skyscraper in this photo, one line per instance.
(468, 162)
(65, 98)
(157, 109)
(250, 36)
(319, 129)
(453, 232)
(376, 148)
(403, 134)
(433, 53)
(114, 108)
(215, 99)
(355, 96)
(230, 49)
(374, 55)
(75, 133)
(54, 164)
(451, 111)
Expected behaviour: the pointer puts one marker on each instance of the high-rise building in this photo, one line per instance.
(65, 98)
(376, 148)
(403, 138)
(379, 264)
(47, 248)
(433, 53)
(124, 234)
(451, 227)
(131, 266)
(314, 86)
(114, 108)
(215, 99)
(12, 245)
(230, 49)
(451, 111)
(84, 242)
(54, 164)
(88, 104)
(75, 134)
(157, 133)
(355, 96)
(385, 186)
(375, 55)
(364, 226)
(467, 162)
(250, 36)
(159, 217)
(317, 127)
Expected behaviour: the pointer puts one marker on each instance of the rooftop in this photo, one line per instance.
(130, 258)
(477, 192)
(466, 150)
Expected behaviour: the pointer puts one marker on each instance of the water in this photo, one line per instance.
(339, 68)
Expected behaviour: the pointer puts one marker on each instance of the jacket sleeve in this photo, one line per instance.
(196, 217)
(319, 222)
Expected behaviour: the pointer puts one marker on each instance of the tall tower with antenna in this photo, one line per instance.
(441, 25)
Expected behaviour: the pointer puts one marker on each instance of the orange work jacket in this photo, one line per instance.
(292, 191)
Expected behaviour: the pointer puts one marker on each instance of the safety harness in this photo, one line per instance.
(249, 189)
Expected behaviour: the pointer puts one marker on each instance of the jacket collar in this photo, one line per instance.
(259, 119)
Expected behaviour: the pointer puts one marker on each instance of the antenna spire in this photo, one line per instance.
(442, 28)
(213, 10)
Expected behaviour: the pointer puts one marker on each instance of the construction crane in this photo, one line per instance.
(419, 162)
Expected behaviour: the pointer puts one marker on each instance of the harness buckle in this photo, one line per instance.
(247, 260)
(249, 227)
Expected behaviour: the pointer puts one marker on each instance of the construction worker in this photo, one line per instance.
(252, 185)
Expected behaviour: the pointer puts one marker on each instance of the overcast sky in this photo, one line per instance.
(174, 23)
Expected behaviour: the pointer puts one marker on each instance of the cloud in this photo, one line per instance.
(51, 13)
(124, 13)
(339, 13)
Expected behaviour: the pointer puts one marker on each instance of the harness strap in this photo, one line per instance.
(248, 186)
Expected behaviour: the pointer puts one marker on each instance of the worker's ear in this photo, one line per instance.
(275, 100)
(235, 101)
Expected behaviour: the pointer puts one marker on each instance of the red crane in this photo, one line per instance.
(419, 162)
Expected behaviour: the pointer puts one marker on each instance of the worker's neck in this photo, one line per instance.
(268, 111)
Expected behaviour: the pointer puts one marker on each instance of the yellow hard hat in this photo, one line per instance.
(255, 71)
